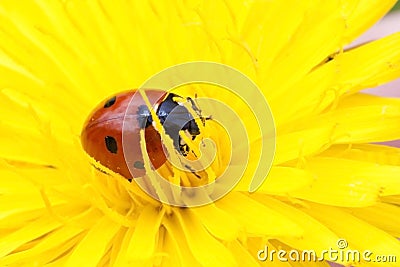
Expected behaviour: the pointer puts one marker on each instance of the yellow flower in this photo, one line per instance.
(58, 59)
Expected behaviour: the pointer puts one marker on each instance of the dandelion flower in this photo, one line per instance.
(328, 182)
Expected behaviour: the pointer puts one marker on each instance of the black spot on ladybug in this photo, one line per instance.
(138, 165)
(111, 144)
(110, 102)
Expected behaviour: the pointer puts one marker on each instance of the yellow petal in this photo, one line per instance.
(351, 71)
(383, 216)
(316, 235)
(32, 230)
(359, 123)
(307, 47)
(380, 154)
(349, 183)
(52, 247)
(297, 255)
(361, 235)
(257, 219)
(257, 29)
(280, 181)
(217, 222)
(143, 241)
(360, 15)
(369, 65)
(93, 246)
(177, 246)
(213, 254)
(298, 144)
(242, 255)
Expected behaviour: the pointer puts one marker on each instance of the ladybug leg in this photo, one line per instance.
(100, 170)
(194, 106)
(184, 149)
(192, 171)
(194, 154)
(192, 128)
(198, 110)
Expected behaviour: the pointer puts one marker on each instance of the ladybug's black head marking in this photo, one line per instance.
(144, 116)
(111, 144)
(179, 118)
(110, 102)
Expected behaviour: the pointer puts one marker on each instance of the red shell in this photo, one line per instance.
(107, 121)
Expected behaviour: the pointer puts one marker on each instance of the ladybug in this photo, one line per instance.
(102, 133)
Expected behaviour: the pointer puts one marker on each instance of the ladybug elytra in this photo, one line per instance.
(102, 133)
